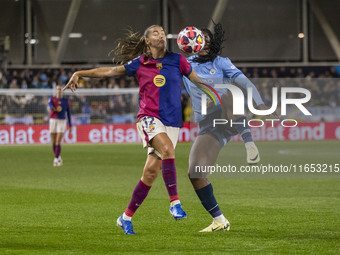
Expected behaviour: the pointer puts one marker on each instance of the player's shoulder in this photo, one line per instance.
(220, 59)
(224, 62)
(173, 55)
(191, 58)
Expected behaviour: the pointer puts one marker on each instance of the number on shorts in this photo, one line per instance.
(148, 121)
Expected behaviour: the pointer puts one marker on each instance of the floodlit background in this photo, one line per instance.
(256, 30)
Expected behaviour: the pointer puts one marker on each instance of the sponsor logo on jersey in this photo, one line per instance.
(159, 80)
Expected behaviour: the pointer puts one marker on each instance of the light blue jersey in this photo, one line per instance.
(220, 71)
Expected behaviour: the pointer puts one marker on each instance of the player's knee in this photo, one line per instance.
(168, 152)
(199, 183)
(194, 172)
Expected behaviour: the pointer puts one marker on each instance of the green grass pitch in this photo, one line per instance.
(73, 209)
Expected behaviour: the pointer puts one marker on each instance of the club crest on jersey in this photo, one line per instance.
(159, 80)
(212, 71)
(159, 66)
(151, 128)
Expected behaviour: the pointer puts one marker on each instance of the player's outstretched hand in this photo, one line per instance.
(72, 83)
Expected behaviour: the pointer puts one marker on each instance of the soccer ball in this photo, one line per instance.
(190, 40)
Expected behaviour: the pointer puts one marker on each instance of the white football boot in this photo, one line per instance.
(60, 161)
(253, 155)
(55, 162)
(216, 226)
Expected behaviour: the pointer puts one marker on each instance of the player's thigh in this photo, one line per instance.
(172, 133)
(163, 144)
(159, 139)
(148, 128)
(204, 151)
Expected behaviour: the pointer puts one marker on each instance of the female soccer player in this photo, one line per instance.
(59, 107)
(211, 67)
(159, 73)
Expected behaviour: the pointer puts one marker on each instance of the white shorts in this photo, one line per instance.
(57, 125)
(149, 127)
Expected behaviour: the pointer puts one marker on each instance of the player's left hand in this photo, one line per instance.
(73, 83)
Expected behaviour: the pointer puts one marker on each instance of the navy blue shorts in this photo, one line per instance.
(222, 133)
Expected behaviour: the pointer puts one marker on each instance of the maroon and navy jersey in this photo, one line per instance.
(160, 82)
(59, 107)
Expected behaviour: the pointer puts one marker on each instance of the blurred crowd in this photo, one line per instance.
(322, 82)
(97, 108)
(48, 78)
(325, 92)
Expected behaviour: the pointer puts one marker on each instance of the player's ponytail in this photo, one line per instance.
(128, 48)
(218, 38)
(216, 41)
(132, 46)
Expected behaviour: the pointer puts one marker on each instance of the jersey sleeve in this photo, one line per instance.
(185, 66)
(132, 66)
(245, 83)
(229, 70)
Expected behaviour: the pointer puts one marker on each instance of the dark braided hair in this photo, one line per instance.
(215, 47)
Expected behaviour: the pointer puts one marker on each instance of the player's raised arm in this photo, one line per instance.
(193, 77)
(245, 83)
(101, 72)
(213, 97)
